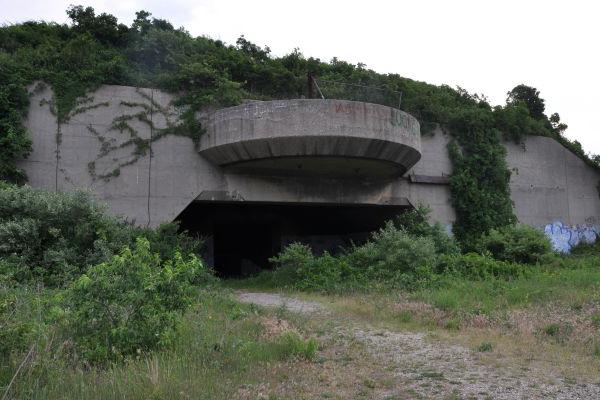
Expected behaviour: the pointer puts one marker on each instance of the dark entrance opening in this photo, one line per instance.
(242, 236)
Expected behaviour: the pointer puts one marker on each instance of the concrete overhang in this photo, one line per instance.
(337, 136)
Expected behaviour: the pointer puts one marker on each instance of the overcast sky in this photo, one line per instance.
(483, 46)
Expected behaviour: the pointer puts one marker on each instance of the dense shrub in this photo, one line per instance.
(54, 237)
(409, 253)
(118, 304)
(15, 330)
(586, 249)
(131, 303)
(298, 267)
(392, 255)
(292, 260)
(323, 273)
(415, 223)
(516, 243)
(479, 267)
(392, 258)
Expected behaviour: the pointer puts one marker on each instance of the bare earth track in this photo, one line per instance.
(431, 369)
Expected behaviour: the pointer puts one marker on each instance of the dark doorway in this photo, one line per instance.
(242, 236)
(241, 248)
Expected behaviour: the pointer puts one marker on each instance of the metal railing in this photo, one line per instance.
(329, 89)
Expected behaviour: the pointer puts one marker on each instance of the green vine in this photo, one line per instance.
(122, 124)
(479, 183)
(83, 109)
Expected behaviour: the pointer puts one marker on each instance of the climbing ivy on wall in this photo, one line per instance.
(13, 107)
(76, 58)
(141, 112)
(480, 177)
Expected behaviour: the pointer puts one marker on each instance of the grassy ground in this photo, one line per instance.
(223, 346)
(550, 315)
(226, 350)
(548, 319)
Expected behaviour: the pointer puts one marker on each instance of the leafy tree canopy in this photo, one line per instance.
(530, 97)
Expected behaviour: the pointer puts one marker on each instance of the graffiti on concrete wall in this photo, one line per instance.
(394, 116)
(565, 237)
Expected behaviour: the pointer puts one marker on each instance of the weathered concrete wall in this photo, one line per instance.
(434, 162)
(311, 128)
(153, 187)
(551, 187)
(548, 182)
(88, 149)
(96, 150)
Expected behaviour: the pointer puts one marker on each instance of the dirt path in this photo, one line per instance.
(432, 369)
(277, 300)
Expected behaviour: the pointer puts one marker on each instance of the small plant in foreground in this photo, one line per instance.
(576, 306)
(596, 319)
(552, 329)
(452, 324)
(370, 383)
(296, 346)
(485, 347)
(405, 316)
(597, 351)
(559, 332)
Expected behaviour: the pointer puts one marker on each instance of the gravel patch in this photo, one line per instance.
(435, 370)
(277, 300)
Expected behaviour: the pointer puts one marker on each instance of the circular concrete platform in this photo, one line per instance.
(337, 134)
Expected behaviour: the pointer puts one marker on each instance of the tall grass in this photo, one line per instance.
(576, 281)
(220, 348)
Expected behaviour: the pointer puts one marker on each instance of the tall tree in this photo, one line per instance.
(531, 97)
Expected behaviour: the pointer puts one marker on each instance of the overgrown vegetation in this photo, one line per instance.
(90, 305)
(52, 238)
(408, 254)
(512, 296)
(87, 297)
(131, 303)
(220, 347)
(137, 314)
(516, 243)
(511, 282)
(96, 49)
(113, 289)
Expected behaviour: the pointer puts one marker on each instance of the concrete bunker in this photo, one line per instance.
(287, 152)
(260, 131)
(242, 236)
(314, 171)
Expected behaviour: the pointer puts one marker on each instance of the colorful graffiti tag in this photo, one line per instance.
(565, 237)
